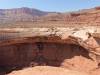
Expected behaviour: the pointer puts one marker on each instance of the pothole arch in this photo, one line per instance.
(65, 55)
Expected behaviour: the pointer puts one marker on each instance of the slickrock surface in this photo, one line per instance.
(46, 70)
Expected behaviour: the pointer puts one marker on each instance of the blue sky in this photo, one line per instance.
(50, 5)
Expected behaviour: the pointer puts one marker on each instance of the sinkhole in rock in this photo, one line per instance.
(23, 55)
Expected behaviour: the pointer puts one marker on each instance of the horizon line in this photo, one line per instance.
(48, 10)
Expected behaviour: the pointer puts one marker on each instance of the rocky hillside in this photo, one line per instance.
(86, 16)
(20, 14)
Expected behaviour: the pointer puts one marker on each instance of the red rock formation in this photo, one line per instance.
(60, 47)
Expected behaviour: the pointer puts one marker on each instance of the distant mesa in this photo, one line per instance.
(25, 14)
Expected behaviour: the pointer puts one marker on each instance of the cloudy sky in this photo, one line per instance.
(50, 5)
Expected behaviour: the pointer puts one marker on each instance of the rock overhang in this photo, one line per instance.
(78, 36)
(21, 42)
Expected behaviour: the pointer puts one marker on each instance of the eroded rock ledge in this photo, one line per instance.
(85, 37)
(63, 47)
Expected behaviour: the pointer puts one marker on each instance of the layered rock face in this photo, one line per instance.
(61, 47)
(28, 17)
